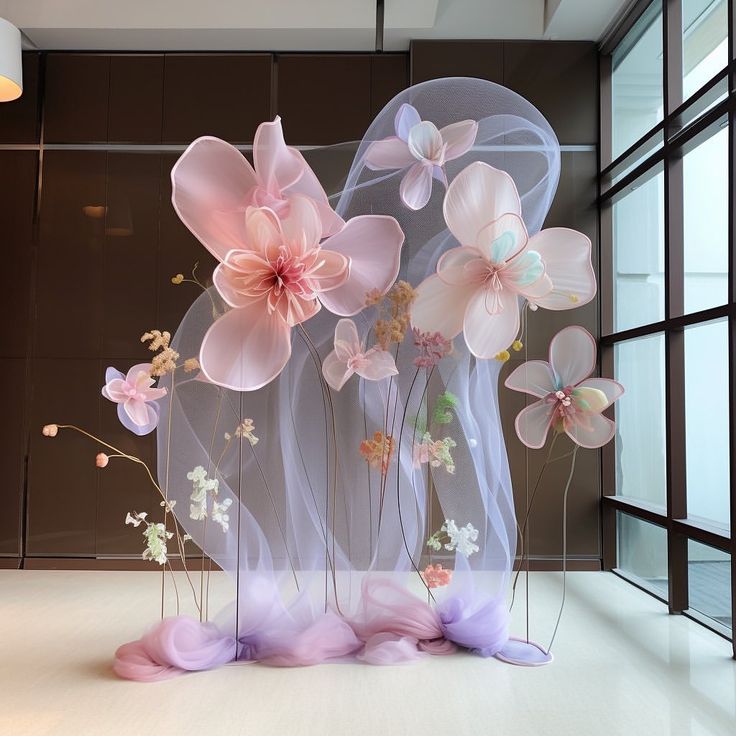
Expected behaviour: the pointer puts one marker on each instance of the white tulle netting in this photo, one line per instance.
(308, 516)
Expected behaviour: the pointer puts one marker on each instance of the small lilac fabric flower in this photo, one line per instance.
(135, 396)
(419, 146)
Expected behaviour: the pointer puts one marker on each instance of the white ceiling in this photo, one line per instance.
(297, 25)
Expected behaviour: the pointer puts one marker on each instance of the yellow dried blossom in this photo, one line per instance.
(574, 298)
(503, 356)
(517, 345)
(191, 364)
(394, 314)
(157, 338)
(178, 279)
(373, 297)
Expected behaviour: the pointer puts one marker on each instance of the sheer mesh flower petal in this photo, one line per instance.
(566, 256)
(572, 355)
(478, 195)
(488, 332)
(390, 153)
(533, 422)
(246, 348)
(372, 243)
(416, 186)
(458, 138)
(533, 377)
(597, 431)
(440, 307)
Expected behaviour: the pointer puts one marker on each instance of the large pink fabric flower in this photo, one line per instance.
(421, 147)
(477, 286)
(214, 184)
(569, 400)
(350, 356)
(280, 276)
(135, 396)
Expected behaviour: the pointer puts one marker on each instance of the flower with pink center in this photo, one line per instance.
(350, 356)
(568, 399)
(423, 150)
(214, 184)
(281, 276)
(478, 285)
(135, 396)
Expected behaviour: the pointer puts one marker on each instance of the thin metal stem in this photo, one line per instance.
(564, 546)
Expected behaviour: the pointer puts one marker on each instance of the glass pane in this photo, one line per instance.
(638, 257)
(642, 552)
(706, 223)
(706, 421)
(641, 471)
(637, 80)
(704, 42)
(709, 582)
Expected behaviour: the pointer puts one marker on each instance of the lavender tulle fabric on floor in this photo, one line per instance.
(322, 550)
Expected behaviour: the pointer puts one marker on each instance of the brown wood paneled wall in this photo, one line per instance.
(91, 241)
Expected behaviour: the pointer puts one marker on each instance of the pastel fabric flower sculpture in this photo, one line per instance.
(424, 149)
(477, 286)
(350, 356)
(214, 184)
(568, 400)
(281, 276)
(135, 396)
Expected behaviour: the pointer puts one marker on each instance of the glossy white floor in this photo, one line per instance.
(623, 666)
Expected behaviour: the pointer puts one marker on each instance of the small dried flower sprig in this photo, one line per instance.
(454, 538)
(246, 429)
(179, 278)
(378, 451)
(155, 535)
(435, 452)
(165, 361)
(191, 365)
(432, 347)
(202, 489)
(445, 404)
(435, 576)
(394, 312)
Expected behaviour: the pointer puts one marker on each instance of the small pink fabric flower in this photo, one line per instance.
(435, 576)
(101, 460)
(569, 400)
(419, 146)
(350, 356)
(50, 430)
(477, 286)
(135, 396)
(432, 347)
(281, 276)
(214, 184)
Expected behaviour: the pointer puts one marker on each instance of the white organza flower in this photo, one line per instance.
(461, 538)
(220, 515)
(136, 519)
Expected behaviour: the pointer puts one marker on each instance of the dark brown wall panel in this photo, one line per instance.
(389, 75)
(75, 108)
(18, 174)
(324, 99)
(435, 59)
(12, 452)
(70, 291)
(19, 120)
(136, 99)
(62, 477)
(561, 79)
(224, 95)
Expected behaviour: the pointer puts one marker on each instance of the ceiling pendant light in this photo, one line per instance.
(11, 68)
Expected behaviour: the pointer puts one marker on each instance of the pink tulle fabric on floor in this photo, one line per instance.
(332, 514)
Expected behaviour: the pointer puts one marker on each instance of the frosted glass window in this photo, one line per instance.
(637, 80)
(704, 42)
(705, 219)
(706, 421)
(642, 552)
(638, 255)
(641, 470)
(709, 582)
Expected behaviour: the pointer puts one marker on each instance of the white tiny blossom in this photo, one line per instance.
(219, 513)
(156, 536)
(461, 538)
(197, 475)
(168, 505)
(135, 518)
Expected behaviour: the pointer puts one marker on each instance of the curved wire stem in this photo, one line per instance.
(522, 529)
(158, 488)
(564, 547)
